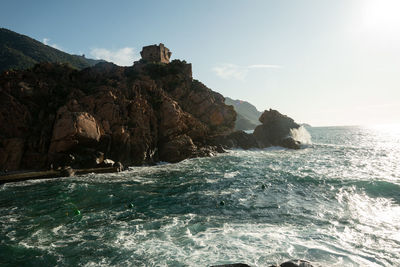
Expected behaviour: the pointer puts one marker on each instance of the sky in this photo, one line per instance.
(320, 62)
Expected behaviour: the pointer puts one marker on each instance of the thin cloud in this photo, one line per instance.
(232, 71)
(122, 57)
(46, 42)
(229, 71)
(264, 66)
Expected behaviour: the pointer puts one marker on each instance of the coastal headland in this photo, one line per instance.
(53, 116)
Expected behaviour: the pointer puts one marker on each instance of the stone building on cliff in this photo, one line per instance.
(156, 53)
(159, 54)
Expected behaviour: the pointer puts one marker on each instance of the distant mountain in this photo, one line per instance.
(247, 114)
(18, 51)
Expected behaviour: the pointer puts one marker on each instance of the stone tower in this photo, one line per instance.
(156, 53)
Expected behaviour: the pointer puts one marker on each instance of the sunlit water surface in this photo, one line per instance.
(335, 202)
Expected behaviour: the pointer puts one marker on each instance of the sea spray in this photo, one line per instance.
(335, 204)
(302, 135)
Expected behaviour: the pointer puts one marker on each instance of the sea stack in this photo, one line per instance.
(275, 130)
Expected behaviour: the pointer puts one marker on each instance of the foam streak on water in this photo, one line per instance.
(336, 203)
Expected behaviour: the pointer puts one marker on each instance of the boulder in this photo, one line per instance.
(177, 149)
(73, 129)
(275, 130)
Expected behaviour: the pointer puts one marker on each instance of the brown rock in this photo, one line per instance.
(126, 114)
(73, 128)
(171, 119)
(275, 130)
(11, 152)
(180, 148)
(14, 116)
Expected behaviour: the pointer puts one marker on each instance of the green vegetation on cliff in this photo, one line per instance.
(22, 52)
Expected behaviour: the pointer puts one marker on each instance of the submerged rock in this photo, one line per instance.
(294, 263)
(289, 142)
(232, 265)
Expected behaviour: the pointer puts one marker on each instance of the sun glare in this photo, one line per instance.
(392, 129)
(381, 15)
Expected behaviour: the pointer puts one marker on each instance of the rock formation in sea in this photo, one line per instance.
(54, 115)
(275, 130)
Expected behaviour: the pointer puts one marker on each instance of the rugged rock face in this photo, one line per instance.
(55, 115)
(73, 128)
(275, 130)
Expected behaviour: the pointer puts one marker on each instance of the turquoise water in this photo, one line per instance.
(335, 202)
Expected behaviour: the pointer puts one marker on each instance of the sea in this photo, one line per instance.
(335, 202)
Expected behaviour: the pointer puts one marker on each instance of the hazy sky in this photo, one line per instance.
(324, 62)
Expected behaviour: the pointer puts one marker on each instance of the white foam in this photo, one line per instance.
(302, 135)
(231, 174)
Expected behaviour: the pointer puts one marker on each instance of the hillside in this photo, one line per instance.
(18, 51)
(247, 114)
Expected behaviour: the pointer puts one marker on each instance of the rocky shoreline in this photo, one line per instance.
(53, 116)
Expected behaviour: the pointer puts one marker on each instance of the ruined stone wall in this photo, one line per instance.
(156, 53)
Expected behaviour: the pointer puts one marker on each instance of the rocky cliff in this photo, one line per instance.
(55, 115)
